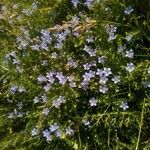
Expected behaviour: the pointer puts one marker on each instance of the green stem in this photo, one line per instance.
(140, 126)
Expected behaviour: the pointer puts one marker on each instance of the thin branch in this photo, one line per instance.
(140, 126)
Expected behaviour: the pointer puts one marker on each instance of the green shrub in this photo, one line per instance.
(74, 75)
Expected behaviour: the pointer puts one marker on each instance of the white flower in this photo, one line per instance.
(58, 133)
(111, 30)
(146, 84)
(101, 59)
(72, 63)
(54, 55)
(36, 100)
(124, 105)
(86, 122)
(16, 62)
(11, 115)
(21, 89)
(107, 71)
(72, 84)
(129, 37)
(121, 48)
(41, 78)
(70, 78)
(35, 47)
(116, 79)
(20, 114)
(44, 62)
(44, 98)
(128, 10)
(20, 105)
(76, 34)
(93, 101)
(34, 132)
(103, 79)
(58, 102)
(99, 72)
(87, 66)
(130, 67)
(15, 6)
(111, 37)
(103, 89)
(75, 2)
(47, 87)
(90, 51)
(45, 111)
(129, 53)
(34, 6)
(27, 12)
(90, 39)
(69, 131)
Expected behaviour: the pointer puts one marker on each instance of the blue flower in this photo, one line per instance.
(41, 78)
(89, 3)
(88, 75)
(61, 77)
(54, 127)
(107, 71)
(47, 135)
(72, 63)
(21, 89)
(13, 89)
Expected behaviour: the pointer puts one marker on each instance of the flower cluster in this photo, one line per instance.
(58, 102)
(15, 88)
(89, 3)
(111, 30)
(53, 131)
